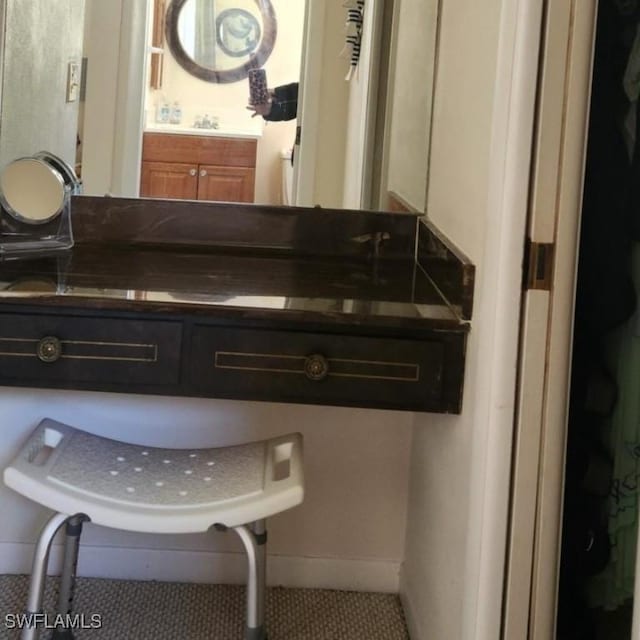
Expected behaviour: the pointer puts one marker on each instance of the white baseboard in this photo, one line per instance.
(210, 567)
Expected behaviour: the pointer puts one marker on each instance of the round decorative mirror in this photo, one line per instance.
(221, 40)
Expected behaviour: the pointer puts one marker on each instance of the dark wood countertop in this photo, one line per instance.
(396, 293)
(341, 267)
(253, 285)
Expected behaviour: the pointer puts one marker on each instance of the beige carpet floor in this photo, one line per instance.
(132, 610)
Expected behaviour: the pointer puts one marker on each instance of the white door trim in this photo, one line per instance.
(362, 112)
(499, 310)
(304, 183)
(531, 580)
(132, 82)
(362, 108)
(101, 89)
(569, 204)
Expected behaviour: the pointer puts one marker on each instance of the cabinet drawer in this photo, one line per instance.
(317, 368)
(231, 152)
(63, 350)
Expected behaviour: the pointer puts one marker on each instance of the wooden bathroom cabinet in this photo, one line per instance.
(191, 167)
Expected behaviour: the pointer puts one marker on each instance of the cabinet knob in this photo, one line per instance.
(192, 172)
(203, 173)
(316, 367)
(49, 349)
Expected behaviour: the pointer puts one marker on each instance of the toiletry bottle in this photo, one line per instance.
(176, 114)
(165, 112)
(159, 106)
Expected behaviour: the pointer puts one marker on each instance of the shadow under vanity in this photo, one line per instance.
(350, 308)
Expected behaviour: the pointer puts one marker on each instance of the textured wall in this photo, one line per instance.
(41, 38)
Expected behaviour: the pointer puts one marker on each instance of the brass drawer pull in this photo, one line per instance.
(49, 349)
(316, 367)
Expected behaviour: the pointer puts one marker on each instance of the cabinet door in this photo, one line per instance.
(227, 184)
(169, 180)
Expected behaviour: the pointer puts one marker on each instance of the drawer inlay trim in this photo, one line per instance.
(136, 350)
(347, 368)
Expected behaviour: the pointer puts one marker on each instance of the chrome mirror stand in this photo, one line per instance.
(21, 239)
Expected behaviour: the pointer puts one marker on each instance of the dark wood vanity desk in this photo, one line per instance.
(234, 301)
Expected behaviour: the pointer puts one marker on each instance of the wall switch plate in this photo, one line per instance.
(73, 81)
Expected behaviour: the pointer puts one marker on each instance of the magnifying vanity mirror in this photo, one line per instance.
(24, 203)
(35, 198)
(221, 40)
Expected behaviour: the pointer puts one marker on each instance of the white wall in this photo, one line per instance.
(112, 114)
(35, 113)
(199, 97)
(452, 576)
(349, 533)
(101, 48)
(409, 107)
(333, 93)
(435, 582)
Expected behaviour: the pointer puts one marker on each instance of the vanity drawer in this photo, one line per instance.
(224, 151)
(62, 350)
(318, 368)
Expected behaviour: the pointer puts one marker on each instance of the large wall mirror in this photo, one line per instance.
(220, 40)
(40, 111)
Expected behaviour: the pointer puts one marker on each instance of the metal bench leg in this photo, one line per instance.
(255, 545)
(39, 575)
(68, 577)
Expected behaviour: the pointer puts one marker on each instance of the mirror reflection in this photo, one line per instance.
(214, 37)
(237, 32)
(364, 140)
(220, 40)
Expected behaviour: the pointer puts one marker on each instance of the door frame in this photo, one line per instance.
(133, 72)
(539, 457)
(362, 108)
(114, 107)
(363, 111)
(308, 104)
